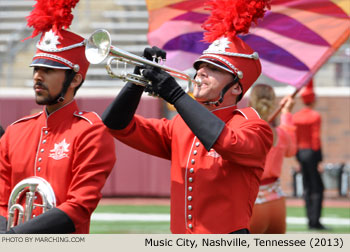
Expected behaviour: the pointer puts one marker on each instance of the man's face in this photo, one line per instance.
(213, 80)
(48, 83)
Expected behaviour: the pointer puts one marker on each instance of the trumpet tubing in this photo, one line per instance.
(99, 48)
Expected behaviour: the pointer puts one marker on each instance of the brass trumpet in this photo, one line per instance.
(98, 48)
(29, 187)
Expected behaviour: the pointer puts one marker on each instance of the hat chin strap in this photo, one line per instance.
(60, 97)
(223, 92)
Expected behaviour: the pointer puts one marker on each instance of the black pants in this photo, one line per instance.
(313, 185)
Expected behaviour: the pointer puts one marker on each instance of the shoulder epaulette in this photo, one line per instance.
(248, 113)
(27, 118)
(90, 117)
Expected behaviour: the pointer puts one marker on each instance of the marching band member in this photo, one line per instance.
(269, 212)
(69, 148)
(308, 123)
(217, 151)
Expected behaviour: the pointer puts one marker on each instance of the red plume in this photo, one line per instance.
(51, 14)
(232, 17)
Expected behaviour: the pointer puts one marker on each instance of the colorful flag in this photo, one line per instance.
(295, 38)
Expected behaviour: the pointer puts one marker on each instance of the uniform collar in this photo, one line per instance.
(224, 113)
(60, 114)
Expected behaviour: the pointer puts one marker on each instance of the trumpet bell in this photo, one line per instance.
(98, 46)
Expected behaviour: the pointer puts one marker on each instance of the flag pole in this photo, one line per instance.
(273, 116)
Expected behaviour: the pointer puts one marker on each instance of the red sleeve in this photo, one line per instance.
(5, 175)
(142, 133)
(246, 143)
(93, 161)
(290, 139)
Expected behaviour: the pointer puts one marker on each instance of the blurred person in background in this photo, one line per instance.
(308, 130)
(69, 149)
(269, 212)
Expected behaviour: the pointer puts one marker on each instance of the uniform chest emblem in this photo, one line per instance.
(213, 153)
(60, 150)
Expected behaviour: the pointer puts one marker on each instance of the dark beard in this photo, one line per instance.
(49, 100)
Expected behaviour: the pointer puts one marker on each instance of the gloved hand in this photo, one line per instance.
(153, 54)
(163, 84)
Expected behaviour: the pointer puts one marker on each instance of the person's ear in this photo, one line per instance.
(78, 78)
(236, 89)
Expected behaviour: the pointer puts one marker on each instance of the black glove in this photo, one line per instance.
(163, 84)
(53, 221)
(153, 54)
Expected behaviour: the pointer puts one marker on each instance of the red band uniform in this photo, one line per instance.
(217, 152)
(71, 149)
(211, 191)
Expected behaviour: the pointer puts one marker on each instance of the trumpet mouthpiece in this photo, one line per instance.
(197, 82)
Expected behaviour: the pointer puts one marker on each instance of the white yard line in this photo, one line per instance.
(166, 218)
(129, 217)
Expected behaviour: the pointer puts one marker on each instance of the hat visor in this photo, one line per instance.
(212, 62)
(41, 62)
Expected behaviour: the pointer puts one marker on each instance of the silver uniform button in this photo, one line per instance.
(190, 179)
(190, 226)
(190, 188)
(44, 141)
(189, 198)
(189, 207)
(190, 217)
(80, 113)
(197, 144)
(193, 161)
(39, 169)
(39, 159)
(195, 152)
(46, 132)
(191, 170)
